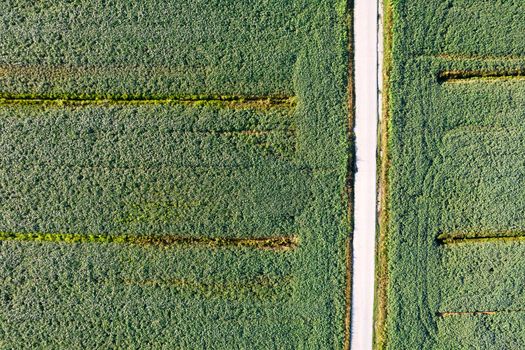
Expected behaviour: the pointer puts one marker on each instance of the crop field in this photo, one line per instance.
(455, 227)
(173, 174)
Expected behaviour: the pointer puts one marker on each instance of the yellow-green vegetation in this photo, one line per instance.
(174, 174)
(245, 102)
(155, 241)
(453, 274)
(381, 273)
(349, 191)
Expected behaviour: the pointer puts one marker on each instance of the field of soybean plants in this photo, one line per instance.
(453, 244)
(173, 174)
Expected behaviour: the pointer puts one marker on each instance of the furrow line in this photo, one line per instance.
(487, 237)
(164, 241)
(220, 101)
(469, 76)
(444, 314)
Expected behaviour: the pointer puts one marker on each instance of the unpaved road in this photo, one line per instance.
(366, 120)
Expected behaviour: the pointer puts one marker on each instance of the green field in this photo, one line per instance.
(455, 234)
(173, 174)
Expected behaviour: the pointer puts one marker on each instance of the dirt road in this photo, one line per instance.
(366, 120)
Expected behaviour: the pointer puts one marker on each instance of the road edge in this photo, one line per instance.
(385, 33)
(349, 185)
(365, 178)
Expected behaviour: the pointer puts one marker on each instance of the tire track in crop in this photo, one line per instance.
(470, 76)
(467, 57)
(220, 101)
(291, 167)
(274, 243)
(444, 314)
(482, 237)
(261, 287)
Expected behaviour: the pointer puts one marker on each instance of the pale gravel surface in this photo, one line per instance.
(365, 209)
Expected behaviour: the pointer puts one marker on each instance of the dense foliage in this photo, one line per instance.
(254, 188)
(457, 173)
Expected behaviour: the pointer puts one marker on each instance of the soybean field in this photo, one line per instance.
(455, 226)
(173, 174)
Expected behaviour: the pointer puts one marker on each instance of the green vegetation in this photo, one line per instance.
(349, 191)
(174, 174)
(381, 273)
(454, 274)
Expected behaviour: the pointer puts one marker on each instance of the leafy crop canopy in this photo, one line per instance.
(172, 173)
(456, 227)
